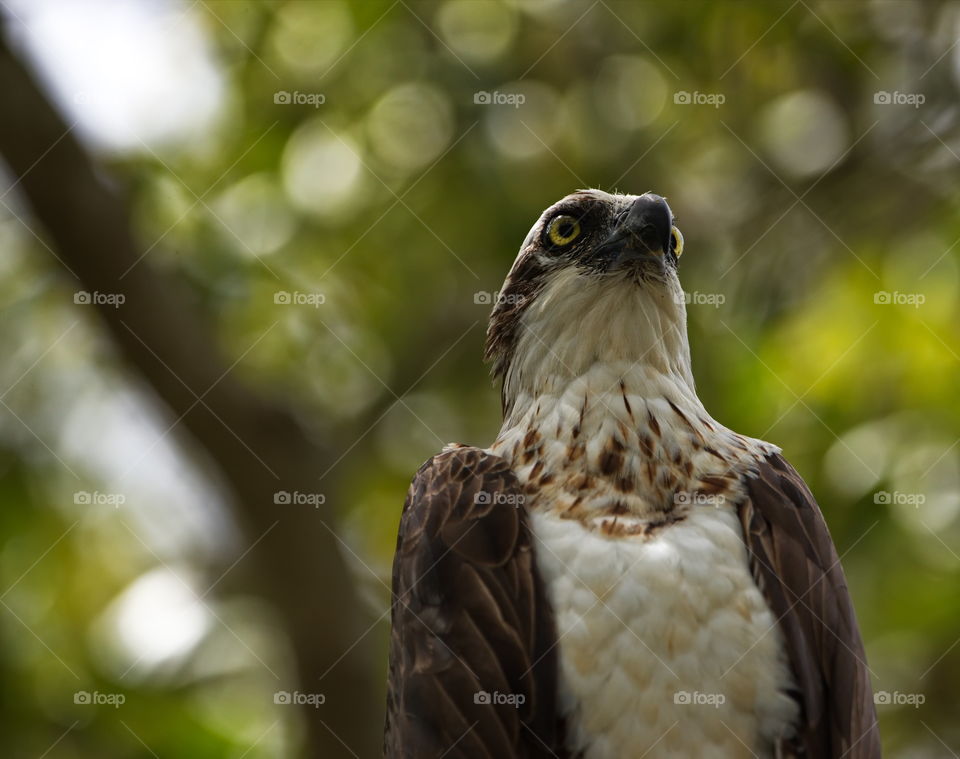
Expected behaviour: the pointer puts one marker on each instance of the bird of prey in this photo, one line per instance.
(618, 575)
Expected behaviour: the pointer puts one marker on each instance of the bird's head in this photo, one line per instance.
(595, 281)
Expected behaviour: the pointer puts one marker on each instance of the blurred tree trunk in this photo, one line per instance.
(299, 567)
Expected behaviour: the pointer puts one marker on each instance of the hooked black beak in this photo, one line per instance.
(642, 235)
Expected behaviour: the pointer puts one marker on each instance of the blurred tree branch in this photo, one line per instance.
(299, 568)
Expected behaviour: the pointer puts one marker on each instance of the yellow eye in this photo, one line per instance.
(563, 230)
(676, 240)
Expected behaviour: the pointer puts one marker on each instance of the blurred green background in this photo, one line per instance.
(336, 189)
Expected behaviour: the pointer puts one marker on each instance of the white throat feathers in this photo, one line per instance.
(579, 321)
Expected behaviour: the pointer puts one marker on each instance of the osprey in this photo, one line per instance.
(618, 575)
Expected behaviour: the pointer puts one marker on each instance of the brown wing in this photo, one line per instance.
(795, 564)
(469, 617)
